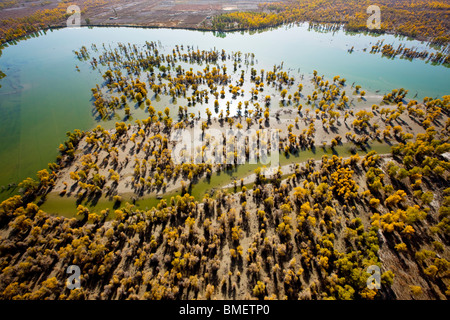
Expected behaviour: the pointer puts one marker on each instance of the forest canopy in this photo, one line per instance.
(425, 20)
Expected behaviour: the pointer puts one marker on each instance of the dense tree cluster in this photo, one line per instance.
(401, 17)
(308, 234)
(13, 28)
(297, 237)
(275, 238)
(163, 74)
(138, 158)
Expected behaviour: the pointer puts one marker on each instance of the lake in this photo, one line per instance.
(43, 95)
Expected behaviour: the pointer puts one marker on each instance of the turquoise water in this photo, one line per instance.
(43, 96)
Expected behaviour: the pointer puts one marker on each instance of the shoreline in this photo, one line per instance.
(427, 40)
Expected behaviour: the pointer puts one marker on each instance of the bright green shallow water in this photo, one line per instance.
(43, 96)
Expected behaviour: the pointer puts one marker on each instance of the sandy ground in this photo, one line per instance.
(127, 151)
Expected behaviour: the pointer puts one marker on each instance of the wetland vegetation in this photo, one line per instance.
(362, 177)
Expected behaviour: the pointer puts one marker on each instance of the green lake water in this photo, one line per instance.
(43, 96)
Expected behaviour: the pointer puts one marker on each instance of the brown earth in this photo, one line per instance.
(158, 13)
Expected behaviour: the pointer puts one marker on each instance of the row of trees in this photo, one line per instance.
(401, 17)
(409, 53)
